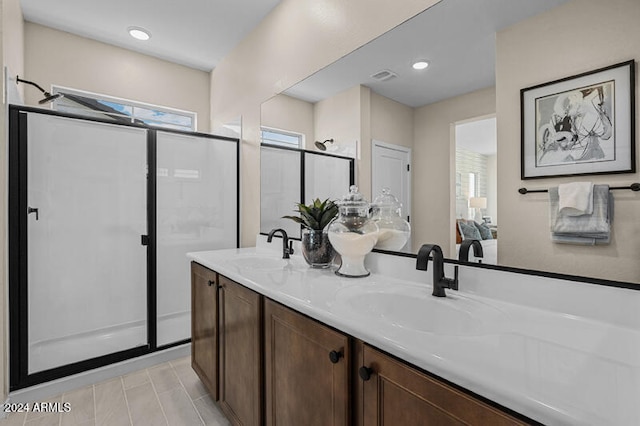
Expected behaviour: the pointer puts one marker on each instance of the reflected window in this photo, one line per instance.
(123, 110)
(282, 138)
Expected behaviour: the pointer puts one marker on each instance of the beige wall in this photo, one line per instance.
(64, 59)
(13, 49)
(11, 52)
(339, 118)
(434, 165)
(286, 113)
(295, 40)
(580, 36)
(391, 121)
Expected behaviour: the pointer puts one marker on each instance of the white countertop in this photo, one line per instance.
(552, 366)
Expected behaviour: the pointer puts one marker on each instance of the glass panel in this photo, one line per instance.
(325, 177)
(122, 110)
(281, 138)
(155, 117)
(87, 294)
(167, 126)
(81, 105)
(280, 177)
(197, 199)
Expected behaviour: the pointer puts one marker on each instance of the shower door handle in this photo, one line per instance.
(33, 210)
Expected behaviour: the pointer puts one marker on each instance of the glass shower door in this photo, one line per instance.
(87, 268)
(197, 209)
(280, 188)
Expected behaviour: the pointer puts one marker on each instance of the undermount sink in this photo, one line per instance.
(259, 261)
(414, 308)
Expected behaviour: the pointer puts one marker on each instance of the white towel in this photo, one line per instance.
(576, 198)
(593, 229)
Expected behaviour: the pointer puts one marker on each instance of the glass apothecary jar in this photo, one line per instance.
(353, 234)
(394, 231)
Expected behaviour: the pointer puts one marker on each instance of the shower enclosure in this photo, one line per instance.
(101, 215)
(290, 175)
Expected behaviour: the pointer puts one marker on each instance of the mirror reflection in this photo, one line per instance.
(476, 186)
(430, 134)
(289, 176)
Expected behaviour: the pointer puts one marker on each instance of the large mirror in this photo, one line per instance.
(456, 124)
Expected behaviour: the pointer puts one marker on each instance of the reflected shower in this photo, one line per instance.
(321, 145)
(48, 97)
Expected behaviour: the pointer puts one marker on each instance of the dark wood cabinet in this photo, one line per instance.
(393, 393)
(267, 364)
(307, 368)
(204, 326)
(240, 355)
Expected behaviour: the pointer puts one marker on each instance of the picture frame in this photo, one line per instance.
(580, 125)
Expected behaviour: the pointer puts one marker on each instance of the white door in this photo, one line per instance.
(391, 168)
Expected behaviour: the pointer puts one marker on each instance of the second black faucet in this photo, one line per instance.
(440, 282)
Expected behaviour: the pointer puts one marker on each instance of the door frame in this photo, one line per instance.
(375, 145)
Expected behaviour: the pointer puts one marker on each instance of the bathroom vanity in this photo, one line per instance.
(277, 342)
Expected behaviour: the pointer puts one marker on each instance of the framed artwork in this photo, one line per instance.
(580, 125)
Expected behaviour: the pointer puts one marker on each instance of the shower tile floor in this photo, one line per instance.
(165, 394)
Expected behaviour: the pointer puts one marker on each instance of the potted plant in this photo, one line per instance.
(314, 218)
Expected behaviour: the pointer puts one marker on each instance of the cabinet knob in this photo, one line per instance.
(335, 356)
(365, 373)
(211, 282)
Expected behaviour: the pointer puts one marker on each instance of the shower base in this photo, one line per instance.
(56, 352)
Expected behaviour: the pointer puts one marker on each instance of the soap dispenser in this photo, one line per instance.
(387, 213)
(353, 234)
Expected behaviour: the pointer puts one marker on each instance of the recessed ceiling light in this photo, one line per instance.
(420, 65)
(139, 33)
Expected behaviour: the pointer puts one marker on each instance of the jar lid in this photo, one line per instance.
(386, 200)
(353, 199)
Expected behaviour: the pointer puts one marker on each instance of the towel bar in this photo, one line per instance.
(633, 187)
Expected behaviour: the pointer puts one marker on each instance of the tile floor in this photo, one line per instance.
(165, 394)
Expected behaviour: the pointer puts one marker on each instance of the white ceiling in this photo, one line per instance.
(195, 33)
(457, 37)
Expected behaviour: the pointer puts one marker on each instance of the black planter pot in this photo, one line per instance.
(316, 248)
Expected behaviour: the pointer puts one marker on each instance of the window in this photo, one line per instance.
(282, 138)
(116, 109)
(472, 170)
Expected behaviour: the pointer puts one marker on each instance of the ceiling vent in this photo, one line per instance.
(384, 75)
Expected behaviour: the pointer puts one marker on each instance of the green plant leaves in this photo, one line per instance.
(316, 215)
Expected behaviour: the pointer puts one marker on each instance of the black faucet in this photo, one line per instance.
(440, 282)
(287, 246)
(463, 254)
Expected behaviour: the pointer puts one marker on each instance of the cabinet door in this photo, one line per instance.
(240, 323)
(307, 370)
(396, 394)
(204, 326)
